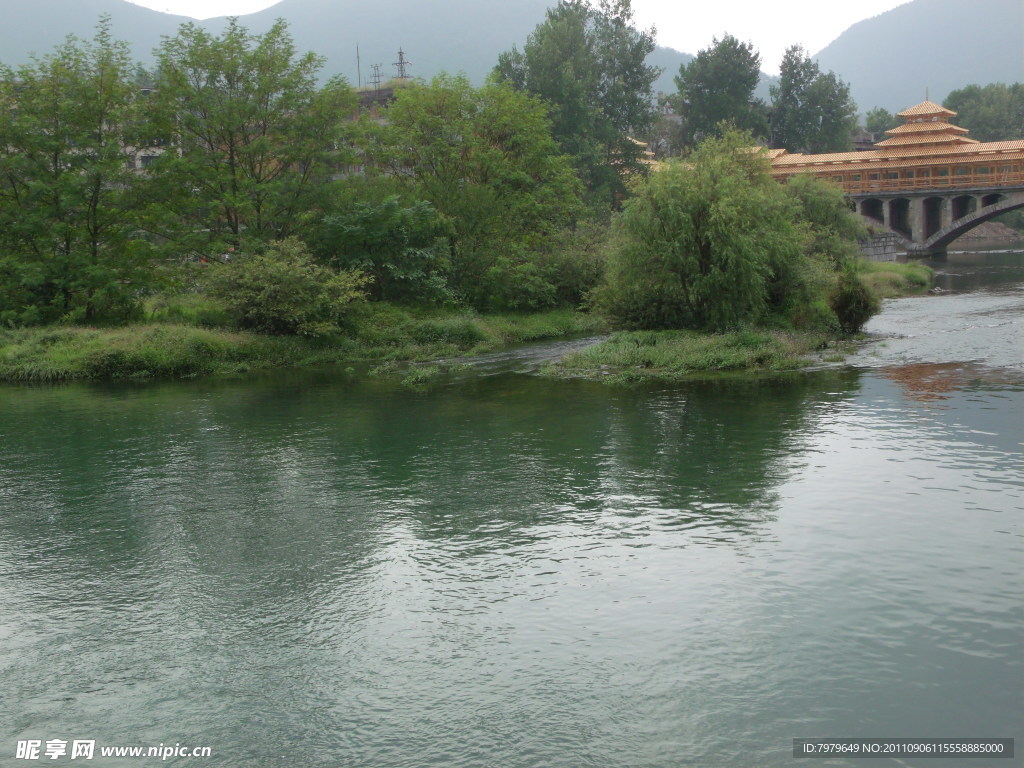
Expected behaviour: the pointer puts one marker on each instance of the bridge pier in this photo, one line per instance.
(917, 219)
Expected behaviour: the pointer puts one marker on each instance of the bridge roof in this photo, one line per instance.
(898, 157)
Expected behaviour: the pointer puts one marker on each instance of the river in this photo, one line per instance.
(310, 568)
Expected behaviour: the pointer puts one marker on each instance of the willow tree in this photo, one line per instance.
(485, 159)
(700, 243)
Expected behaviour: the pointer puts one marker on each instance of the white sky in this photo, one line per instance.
(685, 26)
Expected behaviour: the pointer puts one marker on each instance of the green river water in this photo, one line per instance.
(309, 568)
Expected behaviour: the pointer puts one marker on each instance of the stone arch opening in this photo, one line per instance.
(964, 205)
(899, 216)
(872, 208)
(932, 215)
(937, 243)
(991, 199)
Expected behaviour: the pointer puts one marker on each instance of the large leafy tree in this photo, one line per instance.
(879, 120)
(811, 111)
(485, 159)
(69, 206)
(250, 134)
(993, 112)
(588, 63)
(718, 85)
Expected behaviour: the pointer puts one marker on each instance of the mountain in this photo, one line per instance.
(889, 60)
(38, 27)
(940, 45)
(442, 35)
(439, 36)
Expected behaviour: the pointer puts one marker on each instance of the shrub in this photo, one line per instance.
(401, 244)
(283, 291)
(519, 286)
(853, 302)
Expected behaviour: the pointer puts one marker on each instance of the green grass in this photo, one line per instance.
(146, 351)
(676, 355)
(890, 279)
(176, 342)
(186, 309)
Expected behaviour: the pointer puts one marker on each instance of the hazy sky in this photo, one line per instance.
(685, 26)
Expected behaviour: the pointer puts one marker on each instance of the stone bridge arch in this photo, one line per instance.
(937, 242)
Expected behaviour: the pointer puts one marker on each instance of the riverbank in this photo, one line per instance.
(187, 342)
(379, 333)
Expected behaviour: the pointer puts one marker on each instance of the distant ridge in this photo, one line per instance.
(940, 45)
(438, 36)
(442, 35)
(39, 26)
(888, 60)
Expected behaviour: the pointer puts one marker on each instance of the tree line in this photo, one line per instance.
(261, 180)
(810, 110)
(479, 196)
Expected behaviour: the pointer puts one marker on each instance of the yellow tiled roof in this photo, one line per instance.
(926, 140)
(882, 159)
(926, 108)
(928, 127)
(836, 157)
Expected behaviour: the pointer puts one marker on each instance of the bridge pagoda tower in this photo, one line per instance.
(925, 127)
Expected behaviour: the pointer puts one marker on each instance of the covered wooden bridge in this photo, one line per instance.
(927, 183)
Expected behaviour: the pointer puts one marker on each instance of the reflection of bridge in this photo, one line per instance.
(927, 183)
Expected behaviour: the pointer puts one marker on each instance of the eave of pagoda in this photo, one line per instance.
(930, 127)
(926, 109)
(925, 140)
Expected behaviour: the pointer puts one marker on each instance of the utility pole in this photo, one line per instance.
(402, 64)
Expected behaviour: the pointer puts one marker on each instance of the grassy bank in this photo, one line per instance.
(173, 343)
(636, 356)
(890, 279)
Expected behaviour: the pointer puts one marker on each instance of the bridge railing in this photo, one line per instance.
(971, 179)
